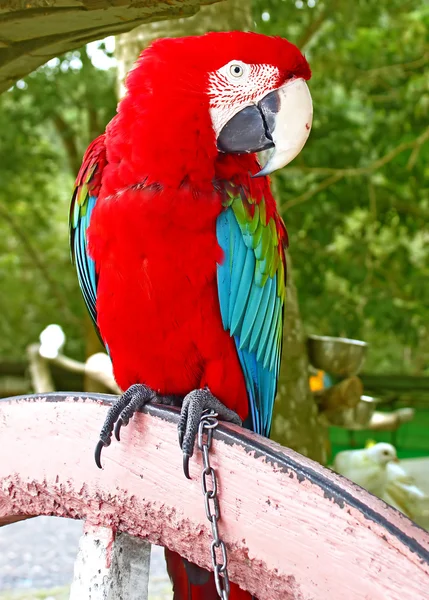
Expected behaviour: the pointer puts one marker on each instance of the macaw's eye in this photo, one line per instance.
(236, 70)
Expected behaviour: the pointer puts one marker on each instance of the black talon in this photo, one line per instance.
(118, 426)
(186, 465)
(97, 454)
(193, 406)
(120, 413)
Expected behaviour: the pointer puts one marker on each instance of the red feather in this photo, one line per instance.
(183, 590)
(157, 302)
(153, 229)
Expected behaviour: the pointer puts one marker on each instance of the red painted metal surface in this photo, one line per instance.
(294, 529)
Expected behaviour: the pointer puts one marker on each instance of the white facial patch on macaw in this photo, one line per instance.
(237, 85)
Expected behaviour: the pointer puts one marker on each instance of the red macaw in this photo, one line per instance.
(177, 240)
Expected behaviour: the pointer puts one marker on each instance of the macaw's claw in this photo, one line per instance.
(140, 396)
(121, 412)
(97, 454)
(193, 406)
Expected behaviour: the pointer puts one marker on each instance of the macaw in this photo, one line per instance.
(177, 240)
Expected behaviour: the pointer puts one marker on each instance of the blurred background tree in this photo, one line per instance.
(356, 200)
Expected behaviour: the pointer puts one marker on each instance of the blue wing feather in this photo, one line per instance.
(261, 316)
(224, 275)
(254, 302)
(239, 254)
(87, 186)
(251, 307)
(85, 266)
(243, 291)
(251, 376)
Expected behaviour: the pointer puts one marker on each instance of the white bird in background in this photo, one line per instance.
(377, 470)
(402, 492)
(367, 467)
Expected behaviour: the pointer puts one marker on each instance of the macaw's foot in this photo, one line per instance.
(122, 410)
(193, 406)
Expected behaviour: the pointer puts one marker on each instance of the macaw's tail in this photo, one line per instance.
(190, 582)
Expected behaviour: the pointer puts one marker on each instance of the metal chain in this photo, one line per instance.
(208, 423)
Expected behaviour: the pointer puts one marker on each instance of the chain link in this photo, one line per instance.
(208, 423)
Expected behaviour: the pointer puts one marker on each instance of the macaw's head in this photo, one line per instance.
(190, 99)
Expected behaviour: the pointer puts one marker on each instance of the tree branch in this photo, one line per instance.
(94, 128)
(355, 171)
(41, 377)
(407, 66)
(93, 122)
(312, 192)
(68, 138)
(418, 146)
(335, 175)
(311, 30)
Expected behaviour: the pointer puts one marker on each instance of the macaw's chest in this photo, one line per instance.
(157, 302)
(156, 241)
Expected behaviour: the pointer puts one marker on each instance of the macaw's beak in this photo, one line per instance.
(281, 120)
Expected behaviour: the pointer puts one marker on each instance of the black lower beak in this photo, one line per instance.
(250, 130)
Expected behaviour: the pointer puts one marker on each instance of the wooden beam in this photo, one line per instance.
(395, 383)
(40, 371)
(34, 31)
(294, 529)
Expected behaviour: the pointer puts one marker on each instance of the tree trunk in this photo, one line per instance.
(92, 346)
(295, 423)
(223, 16)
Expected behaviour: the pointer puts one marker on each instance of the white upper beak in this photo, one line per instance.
(292, 124)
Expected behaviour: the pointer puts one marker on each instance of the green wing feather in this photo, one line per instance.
(251, 288)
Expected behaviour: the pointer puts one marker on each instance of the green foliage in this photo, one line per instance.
(46, 122)
(356, 201)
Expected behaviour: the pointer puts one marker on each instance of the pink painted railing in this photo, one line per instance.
(294, 530)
